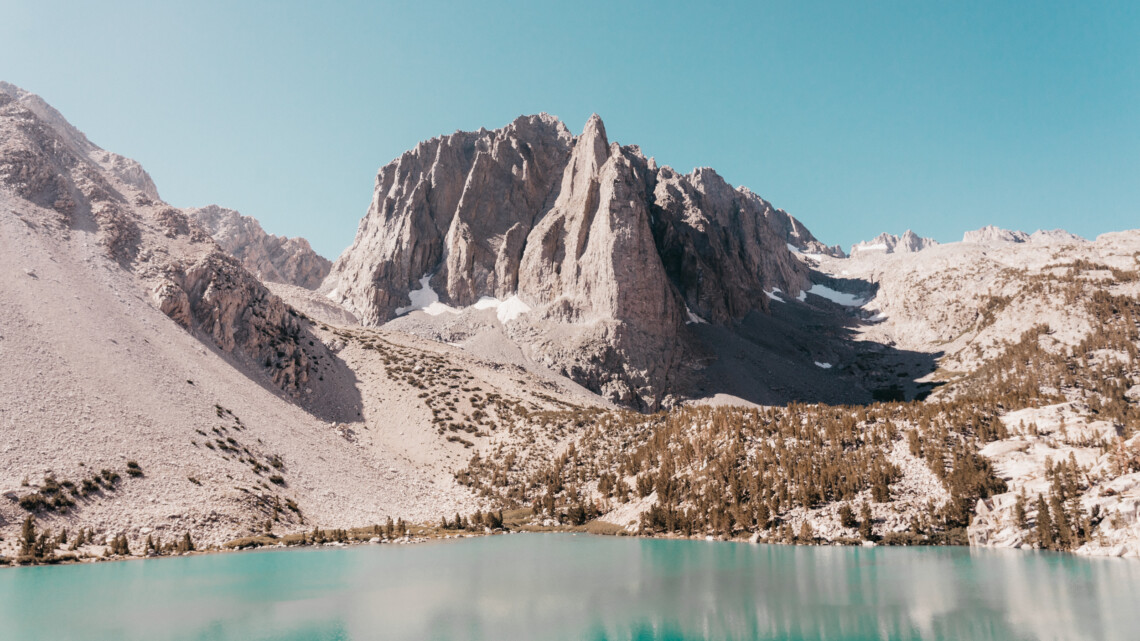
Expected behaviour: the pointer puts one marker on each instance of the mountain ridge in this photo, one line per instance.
(944, 394)
(583, 231)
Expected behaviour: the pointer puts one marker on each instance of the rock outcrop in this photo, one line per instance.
(271, 258)
(1041, 437)
(612, 254)
(991, 234)
(886, 243)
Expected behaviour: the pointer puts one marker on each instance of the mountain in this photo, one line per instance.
(610, 258)
(889, 243)
(271, 258)
(510, 297)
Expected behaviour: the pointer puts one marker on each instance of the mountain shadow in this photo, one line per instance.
(806, 351)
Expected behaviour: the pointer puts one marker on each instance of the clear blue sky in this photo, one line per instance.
(856, 117)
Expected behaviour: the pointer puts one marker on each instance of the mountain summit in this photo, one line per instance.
(610, 254)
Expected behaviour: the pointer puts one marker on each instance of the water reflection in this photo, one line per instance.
(565, 587)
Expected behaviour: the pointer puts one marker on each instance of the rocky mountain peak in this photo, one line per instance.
(1055, 236)
(593, 141)
(610, 253)
(991, 234)
(890, 244)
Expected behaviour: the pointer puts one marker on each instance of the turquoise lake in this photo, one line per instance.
(533, 586)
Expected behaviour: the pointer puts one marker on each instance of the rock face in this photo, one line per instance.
(795, 234)
(124, 169)
(459, 207)
(612, 254)
(46, 162)
(271, 258)
(886, 243)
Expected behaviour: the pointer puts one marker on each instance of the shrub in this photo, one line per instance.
(50, 486)
(276, 478)
(33, 502)
(133, 469)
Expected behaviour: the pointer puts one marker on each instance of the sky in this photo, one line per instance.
(855, 117)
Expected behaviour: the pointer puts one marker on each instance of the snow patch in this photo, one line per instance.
(506, 310)
(693, 318)
(842, 298)
(867, 248)
(487, 302)
(823, 365)
(511, 309)
(774, 295)
(792, 248)
(427, 300)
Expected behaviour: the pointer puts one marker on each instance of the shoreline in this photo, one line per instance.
(427, 535)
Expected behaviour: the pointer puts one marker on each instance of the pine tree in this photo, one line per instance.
(1019, 515)
(186, 544)
(1061, 523)
(28, 537)
(865, 518)
(1044, 524)
(806, 533)
(847, 516)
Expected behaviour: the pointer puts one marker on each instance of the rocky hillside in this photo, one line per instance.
(73, 186)
(274, 259)
(153, 386)
(1029, 435)
(608, 256)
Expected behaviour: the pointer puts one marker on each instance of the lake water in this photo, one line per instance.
(551, 587)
